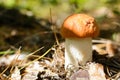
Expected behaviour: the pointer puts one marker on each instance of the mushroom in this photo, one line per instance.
(78, 30)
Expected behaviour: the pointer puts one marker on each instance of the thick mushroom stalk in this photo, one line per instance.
(78, 30)
(78, 51)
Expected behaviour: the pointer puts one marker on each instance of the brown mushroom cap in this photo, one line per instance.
(79, 26)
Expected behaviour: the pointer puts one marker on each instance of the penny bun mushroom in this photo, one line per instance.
(78, 30)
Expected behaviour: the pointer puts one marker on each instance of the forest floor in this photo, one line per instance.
(31, 50)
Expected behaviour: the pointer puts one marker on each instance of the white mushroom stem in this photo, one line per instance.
(77, 51)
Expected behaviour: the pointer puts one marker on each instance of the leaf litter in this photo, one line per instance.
(19, 66)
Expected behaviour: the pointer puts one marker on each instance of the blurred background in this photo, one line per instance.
(31, 23)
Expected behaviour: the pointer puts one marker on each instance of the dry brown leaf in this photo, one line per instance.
(96, 71)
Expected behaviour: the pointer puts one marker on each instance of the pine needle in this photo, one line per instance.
(37, 58)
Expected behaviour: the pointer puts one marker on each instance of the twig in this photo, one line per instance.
(105, 41)
(53, 28)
